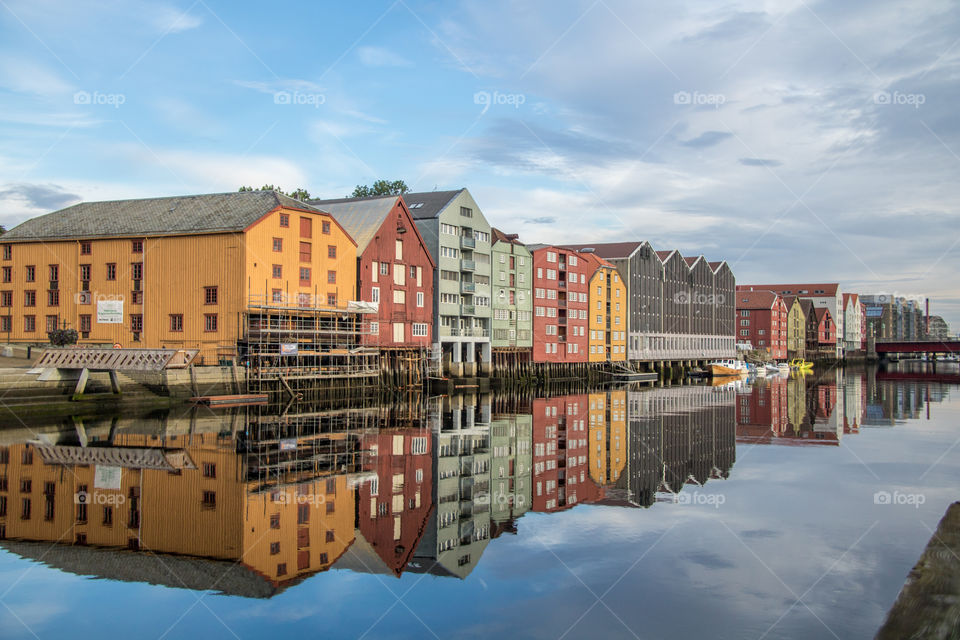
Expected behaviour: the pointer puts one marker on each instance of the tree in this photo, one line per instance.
(297, 194)
(381, 188)
(63, 337)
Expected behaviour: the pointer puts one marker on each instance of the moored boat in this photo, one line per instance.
(728, 368)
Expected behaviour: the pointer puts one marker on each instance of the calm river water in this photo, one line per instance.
(781, 508)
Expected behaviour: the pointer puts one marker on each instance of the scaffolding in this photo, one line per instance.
(299, 349)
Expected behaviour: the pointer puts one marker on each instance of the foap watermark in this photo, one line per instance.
(99, 497)
(699, 498)
(899, 498)
(93, 297)
(99, 98)
(299, 98)
(299, 498)
(698, 99)
(900, 98)
(486, 98)
(702, 299)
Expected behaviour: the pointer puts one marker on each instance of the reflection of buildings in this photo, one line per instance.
(511, 466)
(459, 531)
(278, 503)
(795, 410)
(607, 436)
(677, 436)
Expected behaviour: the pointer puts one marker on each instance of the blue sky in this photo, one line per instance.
(799, 140)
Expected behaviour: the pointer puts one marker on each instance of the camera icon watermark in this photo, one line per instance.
(703, 299)
(299, 98)
(714, 500)
(486, 98)
(698, 99)
(899, 98)
(99, 498)
(899, 498)
(91, 297)
(99, 98)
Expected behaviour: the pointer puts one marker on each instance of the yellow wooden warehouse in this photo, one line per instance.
(173, 272)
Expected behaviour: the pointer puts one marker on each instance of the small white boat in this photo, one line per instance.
(772, 368)
(784, 368)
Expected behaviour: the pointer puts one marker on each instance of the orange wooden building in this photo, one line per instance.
(174, 272)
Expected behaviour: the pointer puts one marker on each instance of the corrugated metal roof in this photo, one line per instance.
(828, 288)
(174, 215)
(361, 217)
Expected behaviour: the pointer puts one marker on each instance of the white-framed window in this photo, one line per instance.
(398, 248)
(375, 328)
(449, 252)
(541, 312)
(374, 270)
(449, 229)
(573, 261)
(503, 258)
(419, 330)
(540, 273)
(419, 298)
(384, 268)
(551, 294)
(375, 294)
(419, 276)
(551, 256)
(551, 274)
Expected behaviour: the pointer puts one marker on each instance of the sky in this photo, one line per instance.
(799, 140)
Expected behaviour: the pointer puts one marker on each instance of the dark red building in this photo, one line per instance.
(825, 331)
(394, 268)
(560, 304)
(393, 508)
(762, 321)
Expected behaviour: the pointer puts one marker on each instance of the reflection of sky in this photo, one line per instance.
(789, 526)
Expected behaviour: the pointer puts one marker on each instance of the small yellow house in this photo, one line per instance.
(174, 272)
(796, 328)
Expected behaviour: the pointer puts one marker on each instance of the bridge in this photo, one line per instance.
(917, 346)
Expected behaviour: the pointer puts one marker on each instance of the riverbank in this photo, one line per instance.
(928, 606)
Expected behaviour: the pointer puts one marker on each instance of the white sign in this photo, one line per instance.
(288, 444)
(288, 348)
(107, 478)
(109, 311)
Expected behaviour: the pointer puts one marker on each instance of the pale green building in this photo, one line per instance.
(512, 288)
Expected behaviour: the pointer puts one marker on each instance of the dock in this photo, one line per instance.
(928, 606)
(235, 400)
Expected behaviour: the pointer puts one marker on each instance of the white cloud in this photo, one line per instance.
(24, 75)
(380, 57)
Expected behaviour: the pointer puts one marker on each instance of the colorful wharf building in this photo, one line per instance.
(512, 300)
(762, 321)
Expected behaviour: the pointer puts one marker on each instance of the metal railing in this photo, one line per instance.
(468, 265)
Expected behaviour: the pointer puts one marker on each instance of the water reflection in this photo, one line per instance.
(252, 501)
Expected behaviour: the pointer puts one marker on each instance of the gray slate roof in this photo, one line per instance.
(175, 215)
(431, 202)
(361, 217)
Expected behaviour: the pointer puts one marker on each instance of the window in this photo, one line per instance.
(7, 252)
(209, 500)
(398, 249)
(282, 569)
(331, 251)
(384, 268)
(85, 272)
(31, 275)
(6, 324)
(276, 295)
(375, 294)
(420, 298)
(278, 244)
(136, 297)
(54, 272)
(6, 298)
(136, 322)
(53, 298)
(8, 274)
(107, 516)
(331, 299)
(331, 277)
(52, 322)
(137, 246)
(275, 521)
(306, 252)
(209, 295)
(29, 324)
(325, 226)
(277, 271)
(111, 271)
(274, 548)
(466, 212)
(306, 228)
(209, 322)
(85, 323)
(399, 296)
(176, 322)
(284, 219)
(419, 330)
(304, 276)
(209, 470)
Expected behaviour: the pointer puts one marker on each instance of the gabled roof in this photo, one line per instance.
(500, 236)
(850, 297)
(828, 288)
(169, 216)
(665, 255)
(609, 250)
(807, 305)
(821, 312)
(429, 204)
(756, 299)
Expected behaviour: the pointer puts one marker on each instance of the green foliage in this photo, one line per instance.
(63, 337)
(381, 188)
(297, 194)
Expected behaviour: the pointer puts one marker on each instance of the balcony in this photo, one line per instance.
(562, 284)
(468, 310)
(468, 242)
(467, 287)
(468, 265)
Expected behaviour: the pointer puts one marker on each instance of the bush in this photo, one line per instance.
(63, 337)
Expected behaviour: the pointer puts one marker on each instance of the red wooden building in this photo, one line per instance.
(762, 321)
(560, 304)
(394, 268)
(394, 507)
(825, 331)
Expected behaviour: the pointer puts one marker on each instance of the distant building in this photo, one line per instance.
(827, 295)
(825, 331)
(762, 320)
(939, 329)
(852, 330)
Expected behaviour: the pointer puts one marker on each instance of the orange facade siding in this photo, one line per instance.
(607, 315)
(174, 299)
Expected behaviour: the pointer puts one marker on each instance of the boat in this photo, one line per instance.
(728, 368)
(801, 365)
(784, 368)
(773, 368)
(759, 371)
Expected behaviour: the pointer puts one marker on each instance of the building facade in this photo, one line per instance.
(511, 294)
(560, 299)
(796, 328)
(176, 272)
(394, 269)
(458, 237)
(852, 330)
(607, 312)
(762, 320)
(827, 295)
